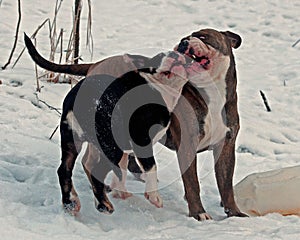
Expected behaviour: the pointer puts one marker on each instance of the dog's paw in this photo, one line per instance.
(73, 207)
(121, 194)
(154, 198)
(201, 216)
(104, 206)
(234, 213)
(204, 217)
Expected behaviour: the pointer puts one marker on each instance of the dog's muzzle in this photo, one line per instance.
(190, 57)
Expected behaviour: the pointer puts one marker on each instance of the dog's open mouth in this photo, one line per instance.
(180, 64)
(192, 56)
(202, 60)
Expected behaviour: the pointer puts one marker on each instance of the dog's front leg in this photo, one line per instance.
(185, 141)
(224, 154)
(118, 187)
(188, 168)
(151, 189)
(150, 175)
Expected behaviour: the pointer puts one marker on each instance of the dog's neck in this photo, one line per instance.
(170, 93)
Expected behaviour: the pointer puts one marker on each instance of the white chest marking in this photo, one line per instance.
(169, 92)
(214, 127)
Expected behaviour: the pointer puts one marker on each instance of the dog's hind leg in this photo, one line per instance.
(70, 147)
(102, 202)
(70, 198)
(118, 187)
(96, 167)
(151, 190)
(134, 168)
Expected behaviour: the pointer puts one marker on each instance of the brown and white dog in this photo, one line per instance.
(214, 99)
(206, 116)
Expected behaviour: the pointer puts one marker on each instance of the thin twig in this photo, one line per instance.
(78, 7)
(284, 83)
(265, 101)
(43, 75)
(61, 44)
(38, 89)
(52, 26)
(32, 36)
(50, 138)
(89, 35)
(53, 35)
(69, 47)
(294, 45)
(49, 106)
(16, 36)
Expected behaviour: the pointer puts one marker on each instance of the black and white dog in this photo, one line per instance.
(117, 109)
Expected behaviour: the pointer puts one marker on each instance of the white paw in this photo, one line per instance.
(121, 194)
(154, 198)
(204, 217)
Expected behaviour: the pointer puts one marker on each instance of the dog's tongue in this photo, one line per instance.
(204, 62)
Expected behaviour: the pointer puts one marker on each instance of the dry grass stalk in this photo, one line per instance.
(294, 45)
(32, 36)
(16, 36)
(78, 8)
(89, 35)
(38, 89)
(56, 40)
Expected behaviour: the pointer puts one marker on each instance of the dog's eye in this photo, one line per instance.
(202, 37)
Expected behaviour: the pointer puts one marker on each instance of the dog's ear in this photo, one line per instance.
(235, 39)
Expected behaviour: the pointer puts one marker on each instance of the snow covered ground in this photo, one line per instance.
(29, 191)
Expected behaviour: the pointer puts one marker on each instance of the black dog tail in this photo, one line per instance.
(74, 69)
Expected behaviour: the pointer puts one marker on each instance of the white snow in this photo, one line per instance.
(29, 191)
